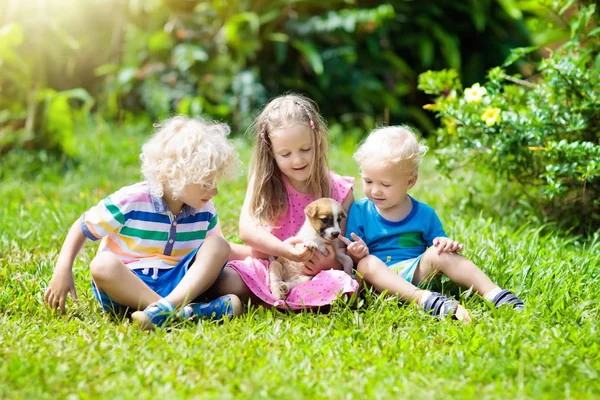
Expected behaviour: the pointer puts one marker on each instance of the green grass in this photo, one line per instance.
(373, 349)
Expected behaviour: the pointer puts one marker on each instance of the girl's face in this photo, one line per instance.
(293, 150)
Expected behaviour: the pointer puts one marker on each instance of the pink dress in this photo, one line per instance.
(324, 287)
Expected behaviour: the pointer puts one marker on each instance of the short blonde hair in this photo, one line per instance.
(186, 151)
(393, 146)
(268, 200)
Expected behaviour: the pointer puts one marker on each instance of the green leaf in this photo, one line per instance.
(235, 26)
(511, 8)
(517, 53)
(160, 41)
(126, 75)
(449, 46)
(426, 51)
(311, 54)
(478, 14)
(185, 55)
(11, 36)
(106, 69)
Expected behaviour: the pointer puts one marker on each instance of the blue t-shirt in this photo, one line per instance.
(394, 241)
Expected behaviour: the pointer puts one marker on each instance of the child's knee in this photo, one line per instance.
(368, 266)
(431, 256)
(104, 266)
(218, 245)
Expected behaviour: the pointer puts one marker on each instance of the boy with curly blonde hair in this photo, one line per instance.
(161, 245)
(399, 242)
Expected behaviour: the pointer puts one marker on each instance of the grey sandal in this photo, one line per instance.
(508, 297)
(440, 306)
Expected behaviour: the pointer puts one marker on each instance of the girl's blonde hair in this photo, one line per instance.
(393, 145)
(186, 151)
(268, 200)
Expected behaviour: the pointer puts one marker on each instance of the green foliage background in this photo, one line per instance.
(358, 59)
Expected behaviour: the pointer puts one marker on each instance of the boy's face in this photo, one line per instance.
(196, 195)
(293, 151)
(386, 186)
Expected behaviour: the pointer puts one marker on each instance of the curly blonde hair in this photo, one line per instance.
(268, 199)
(186, 151)
(393, 145)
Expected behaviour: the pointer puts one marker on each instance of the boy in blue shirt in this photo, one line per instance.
(399, 242)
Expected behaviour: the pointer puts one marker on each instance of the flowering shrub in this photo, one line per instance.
(542, 132)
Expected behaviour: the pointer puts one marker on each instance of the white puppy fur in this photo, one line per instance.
(321, 227)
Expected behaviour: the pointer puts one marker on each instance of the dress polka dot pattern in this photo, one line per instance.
(326, 286)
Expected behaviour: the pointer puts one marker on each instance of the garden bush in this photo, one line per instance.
(542, 132)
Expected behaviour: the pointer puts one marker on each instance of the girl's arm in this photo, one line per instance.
(239, 251)
(62, 281)
(261, 240)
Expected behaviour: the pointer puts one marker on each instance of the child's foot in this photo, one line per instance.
(227, 306)
(509, 298)
(154, 315)
(441, 306)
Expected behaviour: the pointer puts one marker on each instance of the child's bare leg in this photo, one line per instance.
(456, 267)
(378, 275)
(203, 272)
(119, 283)
(230, 282)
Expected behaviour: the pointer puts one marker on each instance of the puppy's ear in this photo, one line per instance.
(311, 210)
(344, 215)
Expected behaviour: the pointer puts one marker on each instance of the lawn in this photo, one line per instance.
(373, 348)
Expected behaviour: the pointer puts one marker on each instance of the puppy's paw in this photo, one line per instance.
(309, 244)
(283, 290)
(279, 289)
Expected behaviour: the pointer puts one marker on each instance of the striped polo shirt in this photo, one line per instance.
(141, 230)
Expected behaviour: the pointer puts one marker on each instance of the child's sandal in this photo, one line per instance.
(440, 306)
(155, 315)
(508, 297)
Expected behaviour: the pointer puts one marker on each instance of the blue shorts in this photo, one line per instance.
(162, 281)
(407, 268)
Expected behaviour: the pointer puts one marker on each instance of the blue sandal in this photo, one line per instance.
(155, 315)
(227, 306)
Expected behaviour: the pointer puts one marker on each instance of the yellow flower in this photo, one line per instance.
(491, 115)
(475, 93)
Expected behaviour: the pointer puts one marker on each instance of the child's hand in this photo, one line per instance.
(61, 283)
(296, 251)
(446, 245)
(357, 249)
(319, 261)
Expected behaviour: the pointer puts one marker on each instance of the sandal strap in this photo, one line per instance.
(440, 306)
(508, 297)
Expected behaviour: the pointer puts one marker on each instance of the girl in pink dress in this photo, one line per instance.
(288, 171)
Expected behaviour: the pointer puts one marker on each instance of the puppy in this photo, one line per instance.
(322, 226)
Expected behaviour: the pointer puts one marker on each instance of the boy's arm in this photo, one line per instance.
(356, 249)
(62, 280)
